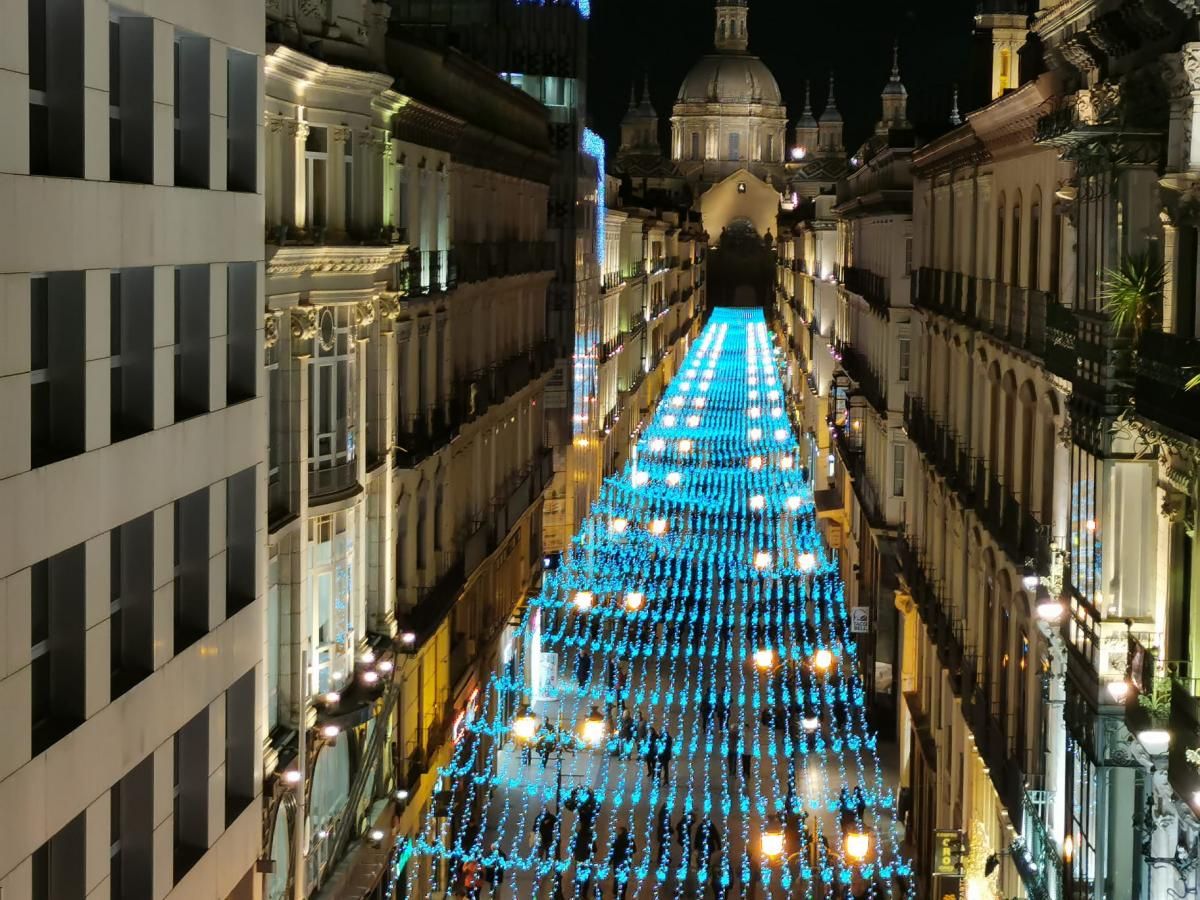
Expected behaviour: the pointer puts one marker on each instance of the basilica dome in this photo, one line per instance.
(730, 78)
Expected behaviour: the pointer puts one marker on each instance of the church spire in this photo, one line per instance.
(955, 117)
(731, 32)
(895, 97)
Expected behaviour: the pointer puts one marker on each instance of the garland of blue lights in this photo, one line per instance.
(700, 569)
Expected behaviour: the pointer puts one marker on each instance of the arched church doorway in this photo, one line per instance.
(741, 266)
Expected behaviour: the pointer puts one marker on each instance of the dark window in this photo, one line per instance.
(57, 646)
(192, 353)
(131, 98)
(1035, 248)
(58, 865)
(56, 88)
(131, 322)
(191, 794)
(57, 326)
(131, 603)
(191, 569)
(240, 546)
(242, 320)
(241, 122)
(131, 844)
(191, 110)
(240, 756)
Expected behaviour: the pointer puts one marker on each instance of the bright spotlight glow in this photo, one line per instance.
(584, 600)
(758, 502)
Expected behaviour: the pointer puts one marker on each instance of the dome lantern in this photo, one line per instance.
(731, 32)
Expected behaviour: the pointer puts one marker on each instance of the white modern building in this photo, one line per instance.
(132, 455)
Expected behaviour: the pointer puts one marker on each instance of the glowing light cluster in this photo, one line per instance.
(701, 575)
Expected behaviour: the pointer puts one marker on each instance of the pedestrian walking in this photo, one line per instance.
(663, 835)
(626, 735)
(544, 827)
(650, 754)
(583, 668)
(621, 858)
(472, 879)
(708, 843)
(683, 837)
(495, 871)
(664, 755)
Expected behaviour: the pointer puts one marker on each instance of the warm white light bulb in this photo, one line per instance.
(583, 600)
(793, 503)
(685, 446)
(640, 478)
(658, 527)
(673, 478)
(758, 502)
(756, 463)
(618, 526)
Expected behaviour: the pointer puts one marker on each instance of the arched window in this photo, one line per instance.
(1035, 242)
(695, 145)
(998, 270)
(770, 155)
(721, 29)
(735, 151)
(1014, 277)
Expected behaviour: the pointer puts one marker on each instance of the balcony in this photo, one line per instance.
(611, 281)
(871, 287)
(431, 272)
(1011, 525)
(423, 435)
(1185, 728)
(1165, 364)
(479, 261)
(870, 385)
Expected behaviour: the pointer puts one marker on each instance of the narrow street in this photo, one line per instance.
(689, 661)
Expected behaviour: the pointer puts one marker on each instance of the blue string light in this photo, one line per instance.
(700, 574)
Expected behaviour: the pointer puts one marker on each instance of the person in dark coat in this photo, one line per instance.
(544, 826)
(622, 859)
(583, 668)
(732, 752)
(626, 735)
(664, 755)
(683, 836)
(708, 842)
(663, 834)
(495, 872)
(650, 754)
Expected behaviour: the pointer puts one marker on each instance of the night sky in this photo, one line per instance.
(798, 40)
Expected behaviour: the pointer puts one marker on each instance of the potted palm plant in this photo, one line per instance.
(1132, 294)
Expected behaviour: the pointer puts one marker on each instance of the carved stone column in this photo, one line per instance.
(1190, 57)
(339, 139)
(293, 200)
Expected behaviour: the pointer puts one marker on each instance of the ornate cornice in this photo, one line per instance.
(366, 259)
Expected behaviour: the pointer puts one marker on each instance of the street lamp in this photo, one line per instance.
(807, 561)
(583, 600)
(762, 560)
(811, 723)
(658, 527)
(858, 845)
(764, 658)
(525, 726)
(1118, 690)
(634, 601)
(822, 660)
(618, 526)
(758, 502)
(772, 843)
(593, 729)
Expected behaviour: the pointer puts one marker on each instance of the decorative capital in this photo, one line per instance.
(270, 330)
(1189, 56)
(364, 314)
(304, 323)
(296, 129)
(389, 306)
(342, 134)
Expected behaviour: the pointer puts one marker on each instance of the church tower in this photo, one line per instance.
(731, 34)
(895, 99)
(1001, 32)
(829, 128)
(807, 130)
(639, 128)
